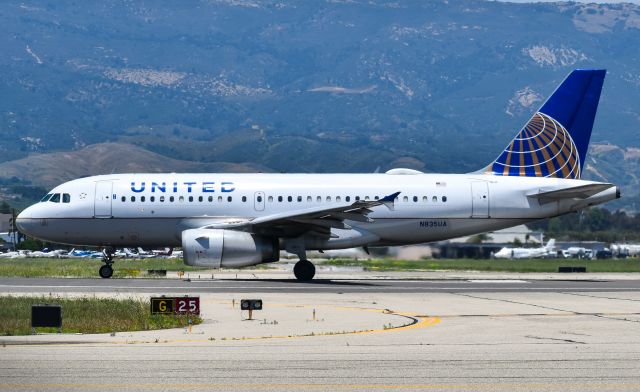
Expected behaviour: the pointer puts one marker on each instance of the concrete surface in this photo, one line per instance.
(440, 341)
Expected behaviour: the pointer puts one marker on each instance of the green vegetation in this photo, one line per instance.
(594, 224)
(87, 315)
(86, 268)
(497, 265)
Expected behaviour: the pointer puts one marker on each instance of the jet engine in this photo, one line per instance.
(215, 248)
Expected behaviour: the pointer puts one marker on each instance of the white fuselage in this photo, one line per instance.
(154, 209)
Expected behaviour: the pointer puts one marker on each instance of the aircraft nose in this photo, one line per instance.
(24, 221)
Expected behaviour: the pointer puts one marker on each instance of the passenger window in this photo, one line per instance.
(190, 199)
(259, 199)
(229, 199)
(405, 199)
(270, 199)
(357, 198)
(338, 199)
(210, 199)
(434, 199)
(142, 198)
(244, 199)
(348, 198)
(55, 198)
(319, 199)
(219, 199)
(415, 199)
(152, 199)
(425, 199)
(133, 198)
(200, 199)
(309, 199)
(123, 198)
(181, 199)
(328, 199)
(299, 199)
(161, 199)
(171, 199)
(46, 197)
(366, 197)
(444, 199)
(376, 198)
(290, 199)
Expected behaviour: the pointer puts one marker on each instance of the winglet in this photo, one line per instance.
(388, 200)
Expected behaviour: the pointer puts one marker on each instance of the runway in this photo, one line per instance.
(345, 286)
(348, 335)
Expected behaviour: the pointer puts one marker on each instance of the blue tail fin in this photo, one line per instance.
(554, 142)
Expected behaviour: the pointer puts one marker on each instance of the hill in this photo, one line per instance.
(54, 168)
(317, 86)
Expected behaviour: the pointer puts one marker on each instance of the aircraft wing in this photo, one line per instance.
(578, 192)
(319, 220)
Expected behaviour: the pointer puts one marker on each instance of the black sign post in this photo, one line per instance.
(46, 316)
(251, 305)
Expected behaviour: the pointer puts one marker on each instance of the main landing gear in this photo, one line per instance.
(106, 271)
(304, 270)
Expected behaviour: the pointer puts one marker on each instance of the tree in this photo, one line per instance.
(5, 208)
(479, 238)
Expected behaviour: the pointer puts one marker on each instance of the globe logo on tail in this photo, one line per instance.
(543, 148)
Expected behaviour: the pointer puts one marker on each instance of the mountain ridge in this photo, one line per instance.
(310, 86)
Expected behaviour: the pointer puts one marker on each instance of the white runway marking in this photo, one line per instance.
(7, 288)
(497, 281)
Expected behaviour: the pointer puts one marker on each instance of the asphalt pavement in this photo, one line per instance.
(472, 333)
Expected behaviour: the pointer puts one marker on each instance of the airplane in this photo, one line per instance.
(527, 253)
(236, 220)
(625, 250)
(46, 253)
(577, 252)
(18, 254)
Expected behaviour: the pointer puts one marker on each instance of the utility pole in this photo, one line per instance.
(13, 228)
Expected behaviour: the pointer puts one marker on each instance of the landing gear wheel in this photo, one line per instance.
(304, 270)
(106, 271)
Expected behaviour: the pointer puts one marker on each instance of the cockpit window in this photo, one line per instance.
(55, 198)
(46, 198)
(66, 198)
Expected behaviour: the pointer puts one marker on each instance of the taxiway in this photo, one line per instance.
(356, 335)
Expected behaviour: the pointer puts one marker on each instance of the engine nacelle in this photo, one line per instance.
(215, 248)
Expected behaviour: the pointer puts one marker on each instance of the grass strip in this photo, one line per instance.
(87, 315)
(86, 268)
(495, 265)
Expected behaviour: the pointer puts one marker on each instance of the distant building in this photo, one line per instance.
(509, 235)
(462, 248)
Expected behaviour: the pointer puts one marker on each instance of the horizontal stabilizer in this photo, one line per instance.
(578, 192)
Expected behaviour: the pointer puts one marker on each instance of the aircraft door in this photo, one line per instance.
(102, 200)
(258, 203)
(479, 199)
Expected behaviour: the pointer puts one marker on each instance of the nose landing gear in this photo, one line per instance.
(106, 271)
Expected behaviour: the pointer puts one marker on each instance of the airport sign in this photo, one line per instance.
(177, 305)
